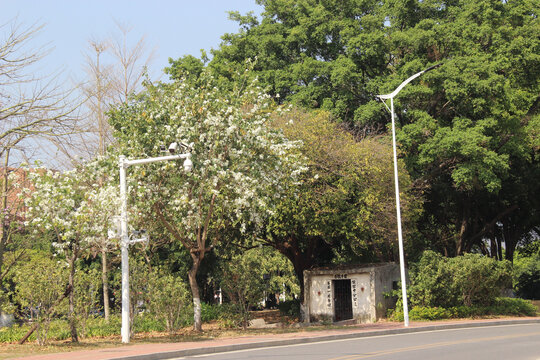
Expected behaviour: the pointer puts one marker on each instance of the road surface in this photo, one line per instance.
(489, 343)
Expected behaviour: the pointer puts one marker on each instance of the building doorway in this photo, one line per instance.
(342, 300)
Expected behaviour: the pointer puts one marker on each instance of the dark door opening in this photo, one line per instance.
(342, 300)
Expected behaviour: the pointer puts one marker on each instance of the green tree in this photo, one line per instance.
(343, 209)
(469, 133)
(317, 54)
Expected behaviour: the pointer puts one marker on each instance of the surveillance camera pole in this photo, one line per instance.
(396, 182)
(124, 236)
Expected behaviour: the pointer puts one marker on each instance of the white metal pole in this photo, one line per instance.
(398, 212)
(124, 241)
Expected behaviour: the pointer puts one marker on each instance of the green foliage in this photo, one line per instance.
(501, 306)
(526, 276)
(470, 135)
(290, 308)
(346, 199)
(167, 296)
(243, 283)
(87, 293)
(466, 280)
(39, 284)
(248, 277)
(469, 130)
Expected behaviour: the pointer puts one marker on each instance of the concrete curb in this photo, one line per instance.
(305, 340)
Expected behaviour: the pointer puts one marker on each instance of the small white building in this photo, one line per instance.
(349, 292)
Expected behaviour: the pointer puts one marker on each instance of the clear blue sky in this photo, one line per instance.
(173, 28)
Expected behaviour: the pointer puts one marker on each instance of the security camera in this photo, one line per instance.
(162, 148)
(188, 164)
(173, 147)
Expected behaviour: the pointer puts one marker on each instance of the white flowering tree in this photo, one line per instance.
(76, 212)
(240, 165)
(101, 206)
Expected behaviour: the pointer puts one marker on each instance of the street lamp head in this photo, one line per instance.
(188, 164)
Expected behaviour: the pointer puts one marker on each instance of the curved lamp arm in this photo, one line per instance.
(398, 89)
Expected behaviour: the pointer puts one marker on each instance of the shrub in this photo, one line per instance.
(510, 306)
(14, 333)
(290, 308)
(40, 283)
(467, 280)
(243, 283)
(500, 306)
(211, 312)
(526, 276)
(167, 295)
(87, 290)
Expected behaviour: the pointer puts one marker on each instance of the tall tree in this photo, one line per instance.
(317, 54)
(33, 110)
(465, 127)
(239, 164)
(343, 209)
(466, 135)
(73, 209)
(115, 67)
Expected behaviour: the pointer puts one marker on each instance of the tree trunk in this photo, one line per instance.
(192, 275)
(105, 280)
(4, 224)
(510, 240)
(71, 311)
(461, 246)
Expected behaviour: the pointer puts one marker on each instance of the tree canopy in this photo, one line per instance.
(240, 165)
(469, 130)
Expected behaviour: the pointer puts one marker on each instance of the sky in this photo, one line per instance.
(172, 28)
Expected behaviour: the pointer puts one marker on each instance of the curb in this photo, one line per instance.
(306, 340)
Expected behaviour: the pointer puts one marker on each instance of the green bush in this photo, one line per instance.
(510, 306)
(290, 308)
(148, 323)
(526, 276)
(500, 306)
(212, 312)
(99, 327)
(168, 295)
(467, 280)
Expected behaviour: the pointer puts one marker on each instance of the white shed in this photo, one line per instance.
(355, 292)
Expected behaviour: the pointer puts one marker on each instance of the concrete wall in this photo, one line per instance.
(321, 304)
(361, 290)
(368, 285)
(384, 278)
(6, 320)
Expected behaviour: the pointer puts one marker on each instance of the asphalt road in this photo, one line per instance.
(490, 342)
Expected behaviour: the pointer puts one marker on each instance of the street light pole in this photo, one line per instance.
(124, 245)
(396, 182)
(124, 235)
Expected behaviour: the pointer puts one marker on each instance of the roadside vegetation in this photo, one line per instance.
(292, 170)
